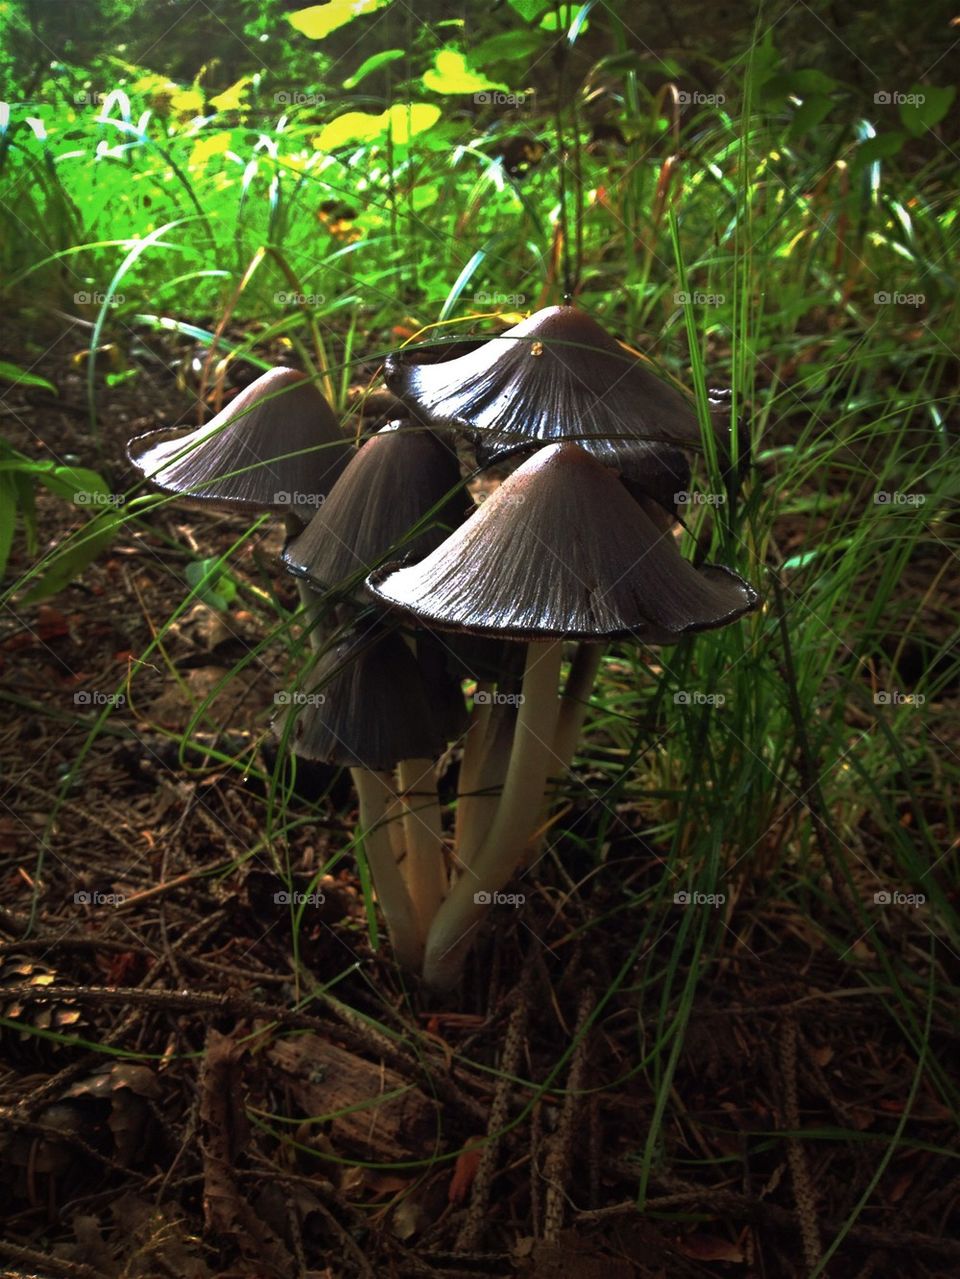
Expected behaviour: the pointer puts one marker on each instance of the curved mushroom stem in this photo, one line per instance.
(451, 934)
(425, 871)
(486, 784)
(375, 793)
(474, 748)
(576, 701)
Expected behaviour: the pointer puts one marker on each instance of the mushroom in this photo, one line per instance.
(366, 706)
(557, 375)
(561, 550)
(276, 447)
(399, 476)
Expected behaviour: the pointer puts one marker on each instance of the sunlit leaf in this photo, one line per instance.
(451, 73)
(187, 100)
(320, 19)
(530, 9)
(572, 20)
(213, 588)
(361, 126)
(371, 64)
(206, 147)
(231, 99)
(406, 121)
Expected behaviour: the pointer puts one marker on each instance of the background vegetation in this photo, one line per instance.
(762, 199)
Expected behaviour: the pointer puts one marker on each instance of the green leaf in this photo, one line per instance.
(878, 148)
(320, 19)
(12, 373)
(924, 106)
(8, 508)
(798, 84)
(530, 9)
(371, 64)
(451, 73)
(571, 15)
(213, 586)
(508, 46)
(76, 484)
(65, 565)
(809, 114)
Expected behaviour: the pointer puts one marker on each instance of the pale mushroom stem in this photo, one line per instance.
(474, 748)
(425, 871)
(375, 793)
(576, 701)
(517, 814)
(486, 783)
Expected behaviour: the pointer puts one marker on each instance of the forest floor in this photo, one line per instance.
(202, 1091)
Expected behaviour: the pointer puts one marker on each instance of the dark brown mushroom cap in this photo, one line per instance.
(366, 705)
(556, 376)
(276, 447)
(399, 475)
(562, 549)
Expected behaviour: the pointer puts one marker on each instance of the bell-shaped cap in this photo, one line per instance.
(276, 447)
(399, 475)
(367, 705)
(556, 376)
(562, 549)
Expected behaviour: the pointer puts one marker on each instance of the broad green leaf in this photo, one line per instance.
(925, 106)
(371, 64)
(530, 9)
(8, 509)
(77, 485)
(213, 587)
(11, 373)
(573, 21)
(451, 73)
(206, 147)
(809, 114)
(799, 84)
(320, 19)
(83, 549)
(508, 46)
(878, 148)
(406, 121)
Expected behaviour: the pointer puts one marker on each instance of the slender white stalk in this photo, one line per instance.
(375, 791)
(452, 931)
(474, 747)
(576, 701)
(424, 867)
(394, 820)
(488, 780)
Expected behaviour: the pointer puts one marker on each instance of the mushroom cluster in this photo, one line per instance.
(413, 588)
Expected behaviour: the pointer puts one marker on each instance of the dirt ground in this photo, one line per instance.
(192, 1087)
